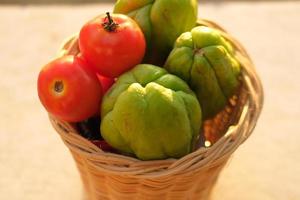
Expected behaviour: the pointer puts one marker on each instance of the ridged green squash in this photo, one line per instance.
(162, 21)
(205, 60)
(151, 114)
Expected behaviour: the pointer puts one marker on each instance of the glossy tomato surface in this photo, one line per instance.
(69, 90)
(112, 51)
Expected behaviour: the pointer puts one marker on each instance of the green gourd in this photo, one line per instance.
(205, 60)
(151, 114)
(162, 21)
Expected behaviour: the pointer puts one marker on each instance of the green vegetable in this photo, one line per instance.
(204, 59)
(162, 21)
(151, 114)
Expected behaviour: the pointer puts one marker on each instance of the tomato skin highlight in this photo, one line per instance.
(69, 89)
(112, 53)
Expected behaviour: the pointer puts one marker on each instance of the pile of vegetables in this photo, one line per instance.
(145, 79)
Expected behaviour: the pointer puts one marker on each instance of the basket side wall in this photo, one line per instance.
(100, 185)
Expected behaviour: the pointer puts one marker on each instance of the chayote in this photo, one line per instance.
(151, 114)
(162, 21)
(205, 60)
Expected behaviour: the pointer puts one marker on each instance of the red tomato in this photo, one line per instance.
(69, 90)
(106, 82)
(112, 44)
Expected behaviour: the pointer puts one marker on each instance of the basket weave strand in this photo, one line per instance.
(117, 177)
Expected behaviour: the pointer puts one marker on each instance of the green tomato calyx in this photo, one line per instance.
(109, 23)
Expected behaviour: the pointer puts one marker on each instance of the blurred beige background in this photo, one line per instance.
(95, 1)
(35, 164)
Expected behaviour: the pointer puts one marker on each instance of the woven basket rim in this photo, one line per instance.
(201, 159)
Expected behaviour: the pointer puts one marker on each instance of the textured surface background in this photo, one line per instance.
(35, 164)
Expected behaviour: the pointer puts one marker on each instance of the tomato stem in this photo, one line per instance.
(110, 25)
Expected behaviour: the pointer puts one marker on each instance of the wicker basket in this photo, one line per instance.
(112, 176)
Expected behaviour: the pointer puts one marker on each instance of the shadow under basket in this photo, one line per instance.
(117, 177)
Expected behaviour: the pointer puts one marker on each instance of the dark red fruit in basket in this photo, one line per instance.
(103, 145)
(112, 44)
(69, 90)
